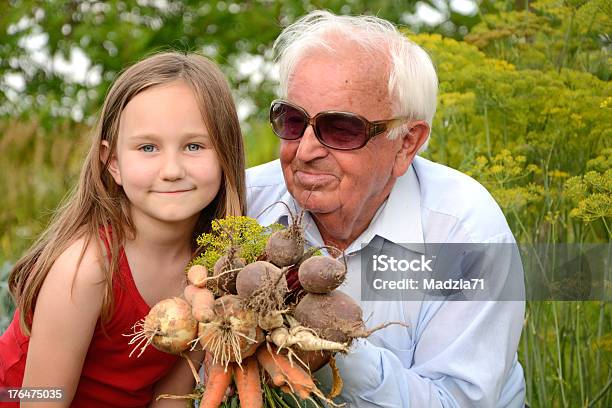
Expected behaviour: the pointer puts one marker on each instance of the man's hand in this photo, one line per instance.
(359, 369)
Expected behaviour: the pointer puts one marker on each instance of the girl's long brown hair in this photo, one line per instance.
(99, 204)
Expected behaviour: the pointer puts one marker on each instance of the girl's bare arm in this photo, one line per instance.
(64, 321)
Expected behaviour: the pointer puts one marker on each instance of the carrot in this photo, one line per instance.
(295, 373)
(188, 292)
(219, 378)
(202, 302)
(197, 275)
(266, 361)
(248, 383)
(283, 371)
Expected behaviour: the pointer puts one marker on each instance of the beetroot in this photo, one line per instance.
(334, 316)
(226, 269)
(286, 247)
(258, 275)
(321, 274)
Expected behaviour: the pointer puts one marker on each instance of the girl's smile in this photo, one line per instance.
(174, 192)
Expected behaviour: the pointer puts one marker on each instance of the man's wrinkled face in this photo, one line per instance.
(324, 180)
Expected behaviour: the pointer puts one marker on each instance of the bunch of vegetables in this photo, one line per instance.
(265, 310)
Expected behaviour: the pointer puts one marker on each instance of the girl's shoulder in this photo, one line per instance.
(73, 290)
(81, 263)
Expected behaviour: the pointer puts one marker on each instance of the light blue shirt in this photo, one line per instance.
(452, 353)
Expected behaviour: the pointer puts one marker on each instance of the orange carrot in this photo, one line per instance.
(202, 302)
(267, 363)
(188, 292)
(282, 371)
(248, 383)
(197, 275)
(295, 374)
(216, 384)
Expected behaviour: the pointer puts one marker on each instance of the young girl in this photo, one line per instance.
(167, 158)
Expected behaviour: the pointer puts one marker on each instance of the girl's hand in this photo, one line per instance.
(179, 381)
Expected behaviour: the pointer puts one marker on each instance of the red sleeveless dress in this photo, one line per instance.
(110, 378)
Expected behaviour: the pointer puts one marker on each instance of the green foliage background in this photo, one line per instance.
(525, 107)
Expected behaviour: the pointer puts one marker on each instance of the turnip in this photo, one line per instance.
(169, 327)
(321, 274)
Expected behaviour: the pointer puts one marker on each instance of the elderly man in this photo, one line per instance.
(357, 101)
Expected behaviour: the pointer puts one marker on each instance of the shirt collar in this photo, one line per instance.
(398, 219)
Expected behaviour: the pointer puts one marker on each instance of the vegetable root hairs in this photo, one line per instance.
(290, 353)
(224, 343)
(337, 383)
(194, 372)
(216, 278)
(141, 333)
(268, 298)
(356, 331)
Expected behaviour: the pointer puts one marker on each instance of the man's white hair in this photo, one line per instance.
(412, 80)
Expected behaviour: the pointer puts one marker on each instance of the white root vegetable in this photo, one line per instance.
(304, 339)
(271, 320)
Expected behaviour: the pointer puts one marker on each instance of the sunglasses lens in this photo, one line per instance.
(287, 122)
(341, 131)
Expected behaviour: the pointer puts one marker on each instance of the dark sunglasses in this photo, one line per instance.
(336, 130)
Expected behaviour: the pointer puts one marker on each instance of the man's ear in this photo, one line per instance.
(113, 168)
(412, 140)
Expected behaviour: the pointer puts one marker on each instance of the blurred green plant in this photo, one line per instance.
(39, 38)
(524, 109)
